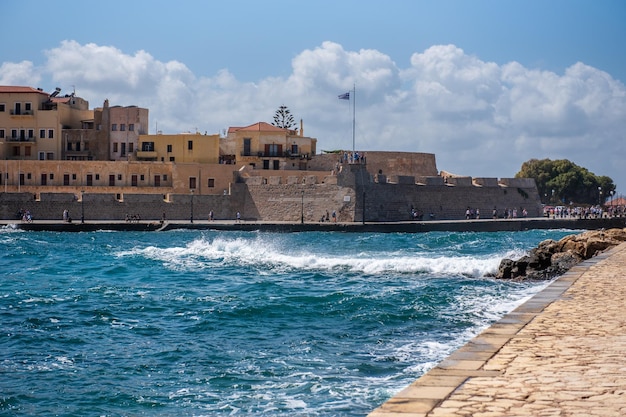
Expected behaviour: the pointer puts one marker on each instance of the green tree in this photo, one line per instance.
(562, 181)
(283, 118)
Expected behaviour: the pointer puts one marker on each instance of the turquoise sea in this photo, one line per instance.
(202, 323)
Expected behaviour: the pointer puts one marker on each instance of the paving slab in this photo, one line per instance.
(562, 353)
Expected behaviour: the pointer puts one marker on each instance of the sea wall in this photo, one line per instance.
(50, 206)
(354, 194)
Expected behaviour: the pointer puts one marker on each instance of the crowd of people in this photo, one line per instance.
(592, 212)
(25, 215)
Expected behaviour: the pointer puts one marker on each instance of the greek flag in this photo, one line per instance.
(344, 96)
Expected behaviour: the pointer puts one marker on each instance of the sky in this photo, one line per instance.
(485, 85)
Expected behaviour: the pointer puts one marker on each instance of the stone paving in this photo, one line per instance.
(562, 353)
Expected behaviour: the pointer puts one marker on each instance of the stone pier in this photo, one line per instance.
(562, 353)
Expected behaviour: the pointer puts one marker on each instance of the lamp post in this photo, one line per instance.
(191, 216)
(599, 196)
(302, 209)
(82, 206)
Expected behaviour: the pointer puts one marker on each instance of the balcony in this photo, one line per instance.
(20, 139)
(285, 154)
(22, 113)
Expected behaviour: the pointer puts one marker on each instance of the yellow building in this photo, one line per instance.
(180, 148)
(264, 146)
(32, 122)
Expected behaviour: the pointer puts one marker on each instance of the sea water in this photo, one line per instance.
(199, 323)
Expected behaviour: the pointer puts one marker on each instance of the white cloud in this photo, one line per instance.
(22, 73)
(479, 118)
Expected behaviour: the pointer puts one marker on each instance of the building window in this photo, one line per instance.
(119, 177)
(131, 147)
(2, 107)
(1, 133)
(192, 183)
(42, 133)
(28, 106)
(42, 156)
(50, 133)
(73, 177)
(142, 177)
(211, 183)
(114, 127)
(172, 159)
(190, 145)
(169, 148)
(164, 177)
(122, 127)
(49, 156)
(66, 179)
(115, 147)
(147, 146)
(131, 127)
(69, 146)
(14, 135)
(246, 146)
(273, 149)
(31, 134)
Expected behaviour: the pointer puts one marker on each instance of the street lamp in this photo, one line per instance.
(191, 216)
(82, 206)
(599, 196)
(302, 209)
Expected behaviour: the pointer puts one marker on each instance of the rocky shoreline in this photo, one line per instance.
(552, 258)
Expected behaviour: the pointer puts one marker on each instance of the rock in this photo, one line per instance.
(551, 258)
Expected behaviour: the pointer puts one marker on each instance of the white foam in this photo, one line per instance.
(268, 257)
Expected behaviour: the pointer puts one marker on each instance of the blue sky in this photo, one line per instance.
(485, 85)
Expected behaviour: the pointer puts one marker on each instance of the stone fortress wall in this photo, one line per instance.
(386, 188)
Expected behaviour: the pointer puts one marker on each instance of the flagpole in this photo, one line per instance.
(353, 114)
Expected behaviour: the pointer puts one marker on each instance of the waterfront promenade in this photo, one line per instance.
(559, 354)
(482, 225)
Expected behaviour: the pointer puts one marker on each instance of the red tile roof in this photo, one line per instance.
(20, 89)
(257, 127)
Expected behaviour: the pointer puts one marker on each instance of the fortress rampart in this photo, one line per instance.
(375, 190)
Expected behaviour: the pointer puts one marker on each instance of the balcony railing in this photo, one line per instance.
(20, 139)
(22, 112)
(286, 154)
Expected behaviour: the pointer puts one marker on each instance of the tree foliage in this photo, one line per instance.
(562, 181)
(283, 118)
